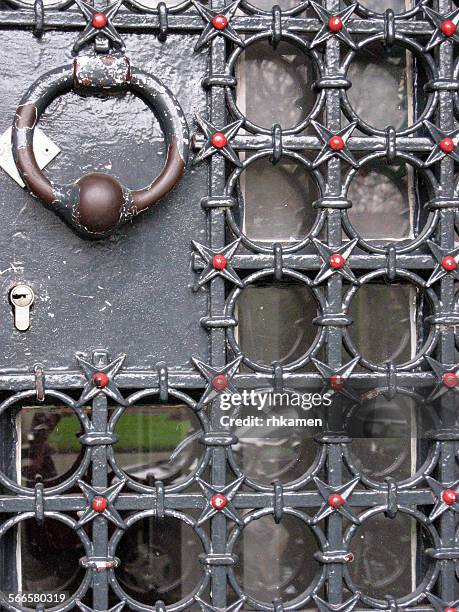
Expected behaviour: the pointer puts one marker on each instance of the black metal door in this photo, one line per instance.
(122, 332)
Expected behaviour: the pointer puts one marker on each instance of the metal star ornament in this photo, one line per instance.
(99, 22)
(218, 140)
(440, 605)
(101, 503)
(235, 607)
(349, 605)
(337, 380)
(217, 24)
(447, 263)
(218, 263)
(219, 380)
(335, 144)
(447, 497)
(84, 608)
(447, 378)
(101, 380)
(220, 500)
(335, 261)
(446, 144)
(335, 500)
(334, 24)
(445, 26)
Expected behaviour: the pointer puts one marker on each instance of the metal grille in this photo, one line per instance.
(417, 261)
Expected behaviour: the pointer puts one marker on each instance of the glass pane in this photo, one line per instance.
(159, 560)
(382, 328)
(50, 448)
(274, 85)
(382, 201)
(379, 6)
(148, 435)
(278, 201)
(381, 86)
(275, 321)
(49, 560)
(276, 561)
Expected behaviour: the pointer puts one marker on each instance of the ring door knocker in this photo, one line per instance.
(96, 204)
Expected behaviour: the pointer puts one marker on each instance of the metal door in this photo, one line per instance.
(121, 332)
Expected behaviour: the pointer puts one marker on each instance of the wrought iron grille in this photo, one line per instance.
(336, 144)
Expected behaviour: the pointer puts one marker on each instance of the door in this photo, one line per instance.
(229, 377)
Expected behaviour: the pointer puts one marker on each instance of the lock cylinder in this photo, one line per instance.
(21, 298)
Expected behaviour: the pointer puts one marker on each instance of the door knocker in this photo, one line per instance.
(96, 204)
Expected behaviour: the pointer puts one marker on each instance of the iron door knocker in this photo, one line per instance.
(96, 204)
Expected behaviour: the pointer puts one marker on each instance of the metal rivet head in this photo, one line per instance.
(219, 262)
(337, 261)
(336, 501)
(448, 27)
(336, 143)
(450, 379)
(446, 145)
(218, 501)
(220, 22)
(99, 20)
(100, 380)
(219, 382)
(335, 24)
(449, 497)
(449, 263)
(99, 504)
(219, 140)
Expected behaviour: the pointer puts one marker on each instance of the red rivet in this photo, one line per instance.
(337, 261)
(335, 24)
(219, 382)
(336, 143)
(449, 263)
(218, 501)
(450, 609)
(219, 262)
(448, 27)
(449, 497)
(220, 22)
(446, 145)
(99, 504)
(450, 379)
(99, 20)
(336, 500)
(337, 382)
(219, 140)
(100, 380)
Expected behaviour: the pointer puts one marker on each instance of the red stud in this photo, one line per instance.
(218, 501)
(335, 24)
(337, 382)
(449, 497)
(337, 261)
(336, 143)
(446, 145)
(220, 22)
(100, 380)
(219, 262)
(450, 379)
(448, 27)
(450, 609)
(336, 500)
(219, 382)
(99, 20)
(99, 504)
(449, 263)
(219, 140)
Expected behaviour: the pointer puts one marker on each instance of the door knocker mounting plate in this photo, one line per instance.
(96, 204)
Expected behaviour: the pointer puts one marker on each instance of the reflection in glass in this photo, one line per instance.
(381, 91)
(382, 327)
(380, 6)
(274, 85)
(159, 560)
(50, 448)
(149, 434)
(49, 559)
(383, 554)
(276, 561)
(382, 201)
(275, 321)
(278, 200)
